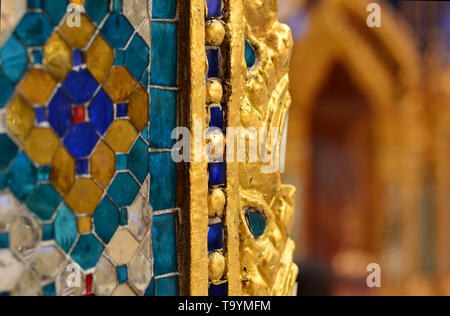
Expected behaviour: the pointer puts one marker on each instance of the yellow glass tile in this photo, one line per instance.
(57, 57)
(20, 117)
(84, 225)
(121, 135)
(103, 164)
(99, 59)
(78, 37)
(37, 86)
(79, 2)
(122, 247)
(42, 145)
(84, 196)
(62, 173)
(138, 108)
(119, 85)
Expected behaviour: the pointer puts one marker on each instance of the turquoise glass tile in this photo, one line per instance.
(164, 244)
(123, 189)
(22, 177)
(65, 228)
(96, 9)
(34, 4)
(43, 174)
(256, 223)
(163, 118)
(117, 5)
(119, 59)
(138, 160)
(117, 30)
(145, 133)
(122, 162)
(14, 59)
(3, 182)
(37, 56)
(163, 181)
(4, 241)
(9, 151)
(144, 80)
(122, 274)
(123, 217)
(44, 201)
(167, 286)
(49, 290)
(87, 251)
(164, 54)
(106, 220)
(151, 289)
(164, 9)
(34, 29)
(48, 232)
(6, 90)
(137, 57)
(55, 9)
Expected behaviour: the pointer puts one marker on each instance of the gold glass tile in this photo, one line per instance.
(105, 277)
(119, 85)
(84, 225)
(37, 86)
(121, 135)
(41, 145)
(103, 164)
(78, 37)
(20, 117)
(122, 247)
(138, 108)
(57, 57)
(99, 59)
(62, 173)
(84, 196)
(124, 290)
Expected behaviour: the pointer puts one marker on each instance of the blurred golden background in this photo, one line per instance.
(369, 145)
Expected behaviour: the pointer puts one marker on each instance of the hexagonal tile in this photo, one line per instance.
(106, 220)
(10, 209)
(123, 189)
(22, 177)
(44, 201)
(27, 286)
(24, 235)
(71, 281)
(122, 247)
(37, 86)
(34, 29)
(138, 160)
(9, 151)
(101, 112)
(10, 269)
(84, 196)
(99, 58)
(105, 277)
(139, 217)
(121, 136)
(14, 59)
(41, 145)
(57, 57)
(87, 251)
(117, 30)
(20, 117)
(96, 9)
(80, 86)
(60, 113)
(62, 172)
(140, 272)
(81, 140)
(47, 262)
(65, 228)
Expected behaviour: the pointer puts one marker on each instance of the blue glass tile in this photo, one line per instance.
(82, 166)
(49, 290)
(123, 189)
(44, 201)
(122, 162)
(77, 58)
(101, 112)
(163, 182)
(144, 80)
(43, 174)
(87, 251)
(119, 59)
(122, 110)
(215, 237)
(250, 56)
(96, 9)
(213, 63)
(122, 274)
(167, 286)
(80, 86)
(145, 133)
(65, 228)
(81, 140)
(256, 223)
(34, 29)
(47, 232)
(40, 114)
(37, 56)
(14, 59)
(4, 241)
(137, 57)
(163, 118)
(60, 113)
(164, 244)
(3, 181)
(218, 290)
(164, 54)
(117, 6)
(151, 289)
(4, 294)
(9, 151)
(34, 4)
(214, 8)
(216, 173)
(124, 217)
(106, 220)
(216, 117)
(6, 90)
(22, 177)
(138, 160)
(164, 9)
(55, 9)
(117, 30)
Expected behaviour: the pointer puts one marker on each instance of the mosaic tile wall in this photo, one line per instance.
(86, 175)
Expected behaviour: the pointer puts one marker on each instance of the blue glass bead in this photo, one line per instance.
(80, 86)
(163, 118)
(106, 220)
(218, 290)
(164, 244)
(47, 232)
(215, 237)
(87, 251)
(122, 274)
(164, 9)
(117, 30)
(96, 9)
(123, 189)
(101, 112)
(78, 58)
(122, 110)
(164, 54)
(213, 63)
(22, 177)
(137, 57)
(167, 286)
(250, 56)
(40, 114)
(138, 160)
(216, 173)
(214, 8)
(34, 29)
(65, 228)
(4, 241)
(49, 290)
(256, 223)
(14, 59)
(55, 9)
(216, 117)
(44, 201)
(163, 174)
(60, 113)
(82, 166)
(9, 151)
(6, 90)
(81, 140)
